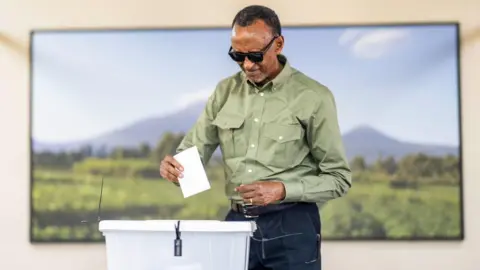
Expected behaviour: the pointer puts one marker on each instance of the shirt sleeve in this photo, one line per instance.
(326, 146)
(203, 134)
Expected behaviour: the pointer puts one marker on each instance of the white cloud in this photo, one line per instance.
(349, 36)
(372, 44)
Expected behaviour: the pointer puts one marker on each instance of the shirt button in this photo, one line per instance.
(280, 137)
(256, 119)
(253, 145)
(261, 94)
(249, 170)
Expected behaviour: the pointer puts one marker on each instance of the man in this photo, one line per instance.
(280, 140)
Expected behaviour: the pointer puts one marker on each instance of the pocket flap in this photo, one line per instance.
(283, 132)
(228, 121)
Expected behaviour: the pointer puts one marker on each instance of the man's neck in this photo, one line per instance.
(277, 70)
(273, 75)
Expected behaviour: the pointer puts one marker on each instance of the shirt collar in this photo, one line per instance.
(281, 77)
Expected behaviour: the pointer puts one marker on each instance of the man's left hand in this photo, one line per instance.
(262, 192)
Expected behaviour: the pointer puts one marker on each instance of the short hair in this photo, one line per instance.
(248, 15)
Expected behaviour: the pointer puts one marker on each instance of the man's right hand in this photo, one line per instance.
(170, 169)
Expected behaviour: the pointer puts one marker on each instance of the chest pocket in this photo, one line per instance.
(282, 143)
(230, 133)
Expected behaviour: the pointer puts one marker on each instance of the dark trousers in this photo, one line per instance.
(285, 240)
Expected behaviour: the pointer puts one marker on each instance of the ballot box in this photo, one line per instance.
(177, 245)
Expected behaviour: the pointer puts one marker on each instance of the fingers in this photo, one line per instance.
(254, 200)
(249, 195)
(174, 162)
(250, 201)
(246, 188)
(173, 171)
(254, 194)
(170, 169)
(165, 173)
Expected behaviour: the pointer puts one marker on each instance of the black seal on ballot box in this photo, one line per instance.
(177, 244)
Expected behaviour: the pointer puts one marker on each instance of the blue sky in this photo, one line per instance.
(399, 80)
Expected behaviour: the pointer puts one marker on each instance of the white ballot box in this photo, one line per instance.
(200, 244)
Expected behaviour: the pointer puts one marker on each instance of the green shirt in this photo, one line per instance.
(286, 130)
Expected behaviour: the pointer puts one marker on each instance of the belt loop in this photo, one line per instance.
(234, 206)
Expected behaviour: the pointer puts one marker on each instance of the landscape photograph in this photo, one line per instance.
(108, 105)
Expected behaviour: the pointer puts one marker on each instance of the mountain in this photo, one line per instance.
(370, 143)
(363, 141)
(147, 131)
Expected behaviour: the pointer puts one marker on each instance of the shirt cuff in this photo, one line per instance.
(293, 191)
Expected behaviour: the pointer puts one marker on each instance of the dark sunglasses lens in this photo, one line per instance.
(237, 57)
(255, 57)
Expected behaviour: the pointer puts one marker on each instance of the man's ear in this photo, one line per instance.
(279, 42)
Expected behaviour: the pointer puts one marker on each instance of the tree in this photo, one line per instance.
(358, 164)
(144, 150)
(118, 153)
(166, 146)
(387, 165)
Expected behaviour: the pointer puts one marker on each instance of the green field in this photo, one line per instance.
(62, 200)
(372, 209)
(415, 197)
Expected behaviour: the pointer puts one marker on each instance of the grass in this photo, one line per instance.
(378, 211)
(62, 199)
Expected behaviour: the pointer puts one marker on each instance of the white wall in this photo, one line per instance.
(18, 17)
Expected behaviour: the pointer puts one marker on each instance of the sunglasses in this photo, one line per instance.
(255, 57)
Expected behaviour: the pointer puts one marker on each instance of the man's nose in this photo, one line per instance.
(247, 64)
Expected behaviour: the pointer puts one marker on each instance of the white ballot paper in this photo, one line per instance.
(194, 178)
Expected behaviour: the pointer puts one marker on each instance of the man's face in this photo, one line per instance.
(255, 38)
